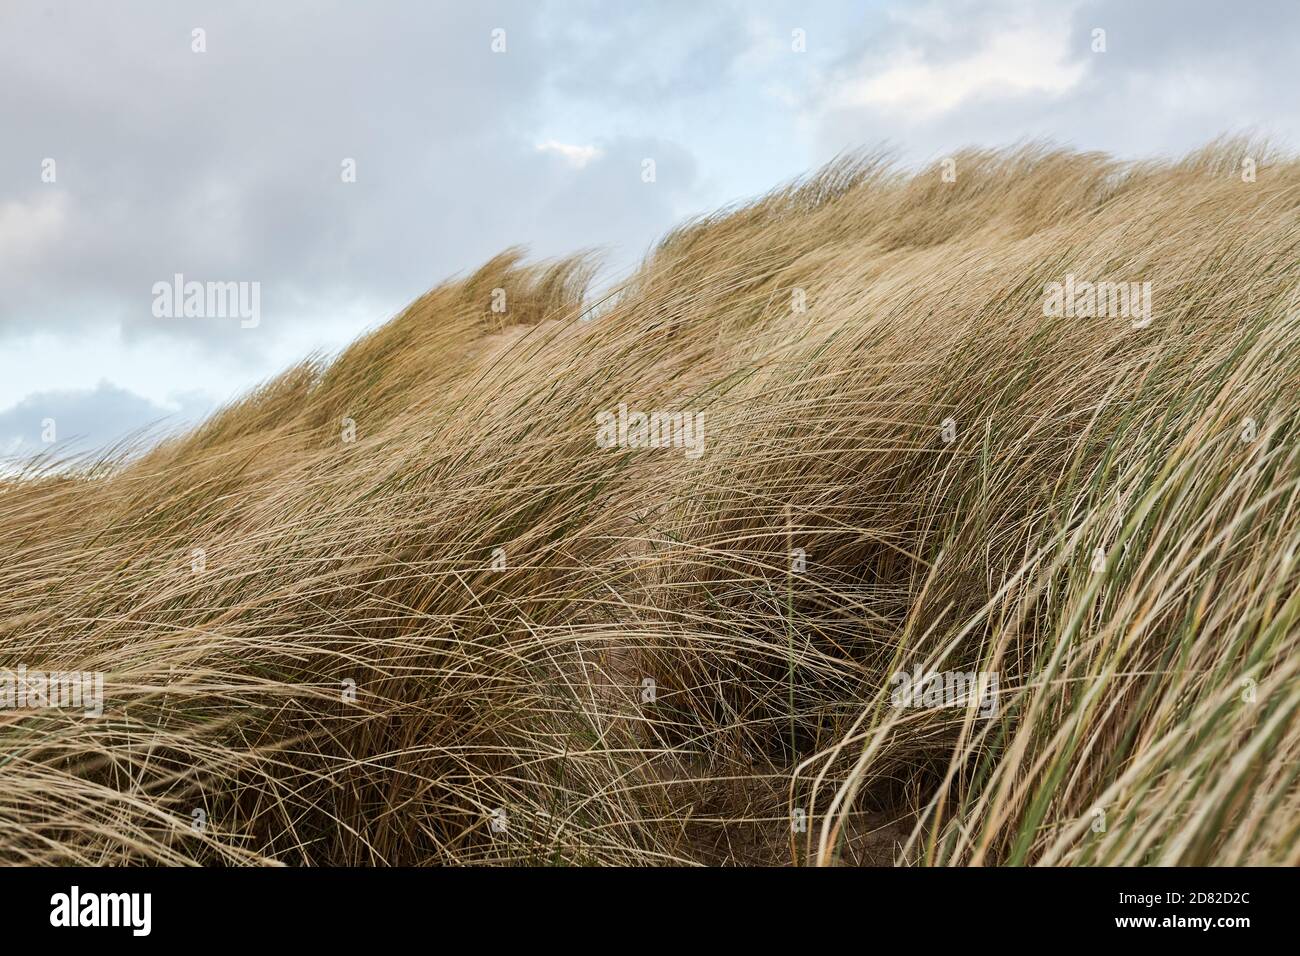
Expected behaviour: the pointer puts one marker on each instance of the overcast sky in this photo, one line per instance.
(229, 164)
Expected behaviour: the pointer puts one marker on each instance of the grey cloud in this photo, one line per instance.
(226, 165)
(83, 420)
(1144, 37)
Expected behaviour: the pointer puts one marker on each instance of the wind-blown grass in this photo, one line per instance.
(1148, 697)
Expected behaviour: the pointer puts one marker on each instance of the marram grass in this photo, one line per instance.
(463, 632)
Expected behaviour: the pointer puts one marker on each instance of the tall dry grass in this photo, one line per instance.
(1147, 710)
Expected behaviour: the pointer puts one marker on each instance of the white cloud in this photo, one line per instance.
(1016, 57)
(576, 156)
